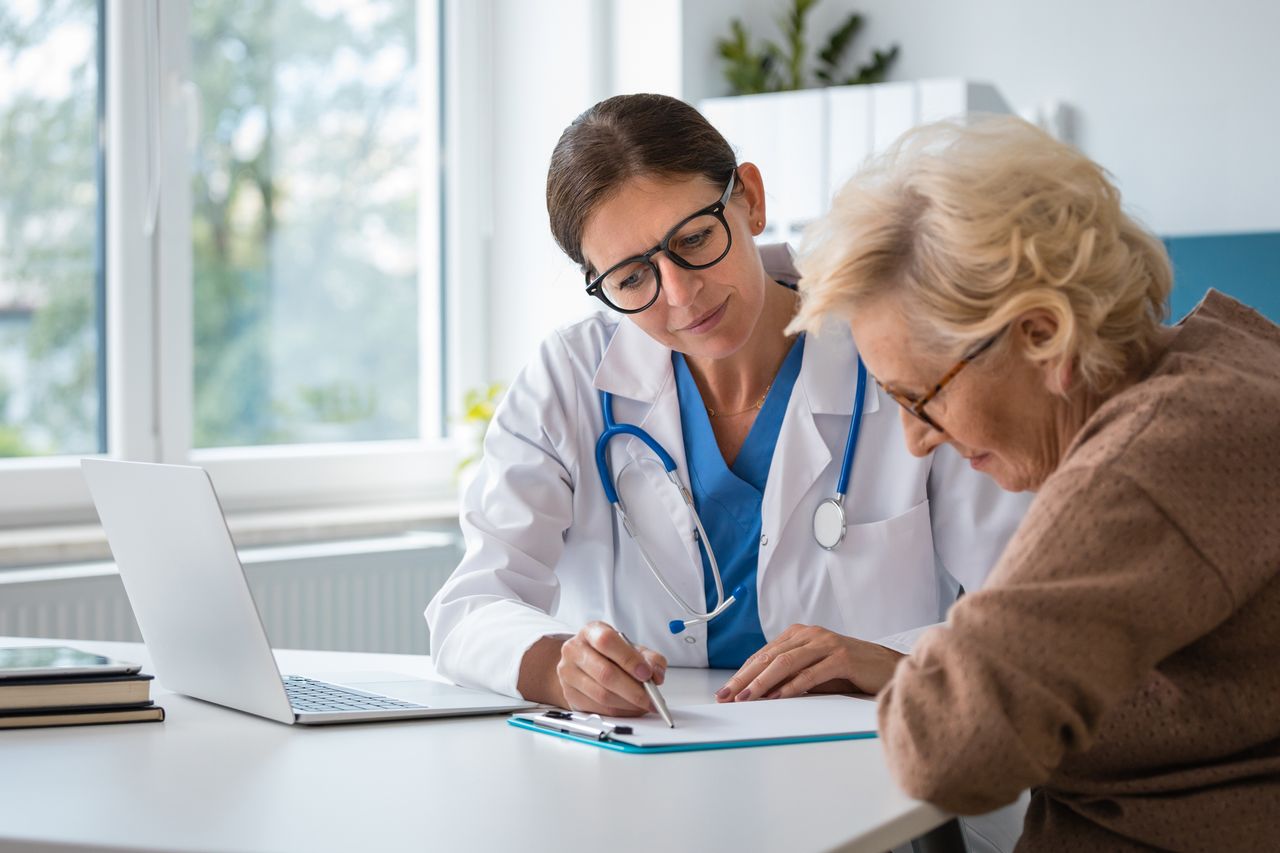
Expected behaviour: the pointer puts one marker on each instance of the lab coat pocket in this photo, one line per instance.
(883, 575)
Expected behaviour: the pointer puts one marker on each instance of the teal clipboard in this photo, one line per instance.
(619, 746)
(804, 719)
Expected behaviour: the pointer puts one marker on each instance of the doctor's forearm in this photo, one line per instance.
(539, 681)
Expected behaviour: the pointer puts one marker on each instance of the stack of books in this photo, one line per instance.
(60, 686)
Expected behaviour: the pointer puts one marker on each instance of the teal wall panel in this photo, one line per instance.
(1244, 266)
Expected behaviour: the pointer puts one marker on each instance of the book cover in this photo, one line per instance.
(87, 716)
(76, 690)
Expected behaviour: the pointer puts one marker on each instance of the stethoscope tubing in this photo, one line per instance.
(855, 426)
(613, 430)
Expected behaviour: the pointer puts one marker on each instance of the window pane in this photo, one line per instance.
(50, 270)
(305, 195)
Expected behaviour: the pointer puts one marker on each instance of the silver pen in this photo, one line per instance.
(654, 696)
(587, 725)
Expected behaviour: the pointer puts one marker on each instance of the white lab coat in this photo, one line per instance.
(545, 552)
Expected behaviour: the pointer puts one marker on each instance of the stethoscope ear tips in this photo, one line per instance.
(676, 626)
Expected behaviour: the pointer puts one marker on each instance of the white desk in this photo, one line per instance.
(210, 778)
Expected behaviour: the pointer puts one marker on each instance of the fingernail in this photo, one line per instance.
(743, 696)
(722, 693)
(643, 672)
(774, 695)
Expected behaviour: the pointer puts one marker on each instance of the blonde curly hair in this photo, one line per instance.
(970, 224)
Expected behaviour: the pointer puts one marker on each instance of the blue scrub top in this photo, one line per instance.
(728, 502)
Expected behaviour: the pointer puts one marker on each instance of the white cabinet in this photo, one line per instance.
(782, 133)
(850, 136)
(808, 143)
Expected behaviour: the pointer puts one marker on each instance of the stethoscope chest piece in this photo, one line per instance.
(828, 523)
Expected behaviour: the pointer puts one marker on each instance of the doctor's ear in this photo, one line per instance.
(752, 184)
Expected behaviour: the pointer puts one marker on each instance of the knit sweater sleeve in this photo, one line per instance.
(1097, 586)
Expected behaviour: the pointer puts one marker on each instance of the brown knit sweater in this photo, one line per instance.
(1123, 659)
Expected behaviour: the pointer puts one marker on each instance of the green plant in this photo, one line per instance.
(748, 71)
(478, 405)
(771, 68)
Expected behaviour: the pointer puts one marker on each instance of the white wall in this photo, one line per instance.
(1179, 100)
(551, 61)
(544, 74)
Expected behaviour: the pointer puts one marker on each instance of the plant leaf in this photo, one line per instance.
(747, 71)
(875, 70)
(775, 68)
(832, 54)
(793, 28)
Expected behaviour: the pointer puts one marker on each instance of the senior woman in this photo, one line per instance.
(1123, 659)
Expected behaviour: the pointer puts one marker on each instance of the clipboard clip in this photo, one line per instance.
(585, 725)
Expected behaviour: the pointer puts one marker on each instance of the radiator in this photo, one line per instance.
(359, 596)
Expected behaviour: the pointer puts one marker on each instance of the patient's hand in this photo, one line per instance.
(809, 659)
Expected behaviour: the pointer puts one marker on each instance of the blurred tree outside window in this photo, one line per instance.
(50, 385)
(305, 195)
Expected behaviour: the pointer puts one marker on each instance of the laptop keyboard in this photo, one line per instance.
(306, 694)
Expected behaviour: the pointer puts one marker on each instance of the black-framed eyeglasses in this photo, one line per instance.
(698, 241)
(916, 407)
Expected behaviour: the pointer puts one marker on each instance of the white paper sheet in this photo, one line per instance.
(745, 722)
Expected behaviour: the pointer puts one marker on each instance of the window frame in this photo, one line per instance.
(149, 299)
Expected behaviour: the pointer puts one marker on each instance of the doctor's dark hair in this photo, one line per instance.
(624, 137)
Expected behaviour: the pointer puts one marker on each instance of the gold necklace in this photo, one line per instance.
(758, 404)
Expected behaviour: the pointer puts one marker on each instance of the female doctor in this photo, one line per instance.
(577, 524)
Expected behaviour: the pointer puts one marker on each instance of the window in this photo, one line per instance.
(51, 271)
(222, 248)
(305, 222)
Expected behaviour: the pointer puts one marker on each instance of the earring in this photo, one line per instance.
(759, 223)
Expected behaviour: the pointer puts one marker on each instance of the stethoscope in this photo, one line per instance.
(828, 518)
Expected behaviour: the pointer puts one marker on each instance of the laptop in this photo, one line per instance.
(198, 618)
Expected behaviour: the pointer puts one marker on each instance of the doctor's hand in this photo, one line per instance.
(599, 672)
(809, 659)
